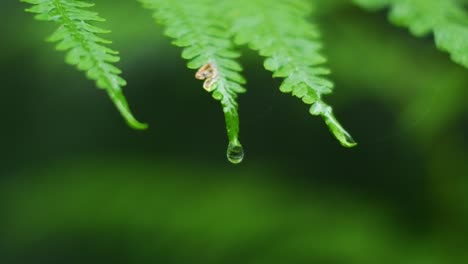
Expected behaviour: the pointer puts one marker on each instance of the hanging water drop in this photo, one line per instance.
(235, 153)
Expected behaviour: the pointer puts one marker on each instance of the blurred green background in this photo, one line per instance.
(78, 186)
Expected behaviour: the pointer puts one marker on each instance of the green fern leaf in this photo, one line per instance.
(202, 32)
(280, 32)
(85, 49)
(446, 19)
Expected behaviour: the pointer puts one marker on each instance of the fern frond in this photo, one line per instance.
(446, 19)
(84, 48)
(203, 34)
(280, 32)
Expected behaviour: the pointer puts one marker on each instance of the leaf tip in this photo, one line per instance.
(326, 111)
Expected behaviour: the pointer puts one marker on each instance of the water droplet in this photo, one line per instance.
(235, 153)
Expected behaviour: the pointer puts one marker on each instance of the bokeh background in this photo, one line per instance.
(78, 186)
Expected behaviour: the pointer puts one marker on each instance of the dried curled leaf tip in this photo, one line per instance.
(209, 73)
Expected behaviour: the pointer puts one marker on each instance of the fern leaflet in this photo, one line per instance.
(281, 33)
(85, 49)
(203, 34)
(446, 19)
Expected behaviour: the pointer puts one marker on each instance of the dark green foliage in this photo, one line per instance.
(291, 45)
(446, 19)
(204, 35)
(281, 33)
(211, 31)
(85, 49)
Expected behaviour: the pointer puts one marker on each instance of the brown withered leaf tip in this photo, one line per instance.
(209, 73)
